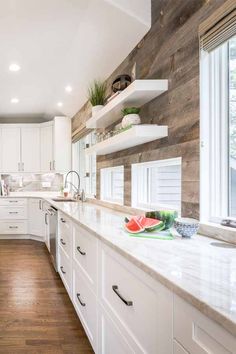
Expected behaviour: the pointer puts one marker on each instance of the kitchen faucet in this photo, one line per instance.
(77, 189)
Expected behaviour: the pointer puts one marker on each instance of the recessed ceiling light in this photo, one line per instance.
(60, 104)
(68, 88)
(15, 100)
(14, 67)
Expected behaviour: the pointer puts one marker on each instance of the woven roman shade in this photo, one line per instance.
(219, 27)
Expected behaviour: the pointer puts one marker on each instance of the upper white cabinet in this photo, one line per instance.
(30, 149)
(36, 148)
(10, 149)
(62, 144)
(46, 135)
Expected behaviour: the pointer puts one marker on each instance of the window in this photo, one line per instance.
(157, 184)
(112, 184)
(218, 132)
(85, 165)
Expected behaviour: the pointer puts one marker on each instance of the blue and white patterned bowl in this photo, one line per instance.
(186, 227)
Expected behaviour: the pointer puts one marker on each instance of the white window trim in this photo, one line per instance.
(103, 188)
(211, 108)
(135, 192)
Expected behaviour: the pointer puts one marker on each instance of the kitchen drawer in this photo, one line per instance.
(65, 241)
(178, 349)
(110, 339)
(85, 250)
(64, 225)
(140, 305)
(13, 212)
(13, 227)
(13, 201)
(86, 306)
(65, 270)
(197, 333)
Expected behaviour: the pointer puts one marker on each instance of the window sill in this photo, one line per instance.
(217, 231)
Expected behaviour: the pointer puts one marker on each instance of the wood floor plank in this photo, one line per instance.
(36, 314)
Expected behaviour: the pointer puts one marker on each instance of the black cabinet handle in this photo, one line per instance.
(13, 212)
(63, 220)
(13, 227)
(81, 252)
(115, 289)
(62, 270)
(81, 302)
(46, 218)
(62, 242)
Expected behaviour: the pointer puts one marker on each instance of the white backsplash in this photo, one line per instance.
(33, 182)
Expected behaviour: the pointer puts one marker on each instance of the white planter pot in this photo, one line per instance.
(130, 119)
(96, 109)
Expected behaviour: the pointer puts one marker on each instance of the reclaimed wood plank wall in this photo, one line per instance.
(170, 51)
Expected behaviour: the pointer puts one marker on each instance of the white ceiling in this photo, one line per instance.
(59, 43)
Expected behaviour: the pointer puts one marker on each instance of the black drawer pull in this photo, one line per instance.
(62, 270)
(62, 242)
(63, 220)
(13, 212)
(13, 227)
(81, 252)
(115, 289)
(13, 201)
(81, 302)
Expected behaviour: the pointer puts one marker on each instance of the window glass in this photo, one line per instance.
(157, 184)
(112, 184)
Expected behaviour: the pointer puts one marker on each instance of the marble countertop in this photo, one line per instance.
(194, 269)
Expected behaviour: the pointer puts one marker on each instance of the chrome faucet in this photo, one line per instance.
(77, 189)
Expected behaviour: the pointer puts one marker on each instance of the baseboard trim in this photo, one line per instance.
(22, 237)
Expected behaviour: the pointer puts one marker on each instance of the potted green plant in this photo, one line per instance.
(131, 116)
(97, 95)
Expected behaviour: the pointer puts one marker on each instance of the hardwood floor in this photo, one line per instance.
(36, 314)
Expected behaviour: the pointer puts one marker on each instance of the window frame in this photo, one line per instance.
(214, 135)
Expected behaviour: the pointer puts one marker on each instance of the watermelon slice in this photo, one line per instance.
(167, 216)
(133, 226)
(140, 223)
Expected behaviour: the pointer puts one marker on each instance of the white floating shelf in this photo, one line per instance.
(137, 135)
(137, 94)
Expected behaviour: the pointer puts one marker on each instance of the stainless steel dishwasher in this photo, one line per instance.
(52, 221)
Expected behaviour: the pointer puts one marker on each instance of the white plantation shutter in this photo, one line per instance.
(157, 184)
(112, 184)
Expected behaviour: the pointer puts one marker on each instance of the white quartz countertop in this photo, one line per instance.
(200, 273)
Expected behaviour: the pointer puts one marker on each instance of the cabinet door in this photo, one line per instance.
(62, 144)
(36, 218)
(10, 149)
(30, 149)
(46, 133)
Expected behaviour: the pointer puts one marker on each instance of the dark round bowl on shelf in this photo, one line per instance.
(186, 227)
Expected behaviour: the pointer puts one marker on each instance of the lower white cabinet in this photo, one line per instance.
(110, 339)
(128, 311)
(65, 270)
(85, 302)
(199, 334)
(36, 218)
(13, 216)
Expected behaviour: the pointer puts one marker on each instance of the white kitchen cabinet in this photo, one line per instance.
(199, 334)
(140, 306)
(36, 218)
(46, 134)
(11, 149)
(62, 144)
(30, 148)
(85, 303)
(110, 339)
(13, 216)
